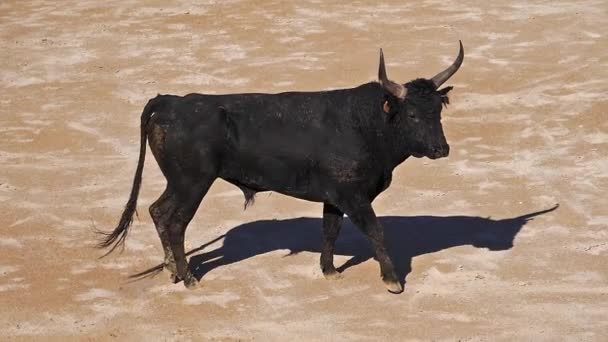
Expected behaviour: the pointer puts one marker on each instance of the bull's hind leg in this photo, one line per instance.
(188, 200)
(172, 213)
(163, 207)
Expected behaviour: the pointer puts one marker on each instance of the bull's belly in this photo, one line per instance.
(292, 178)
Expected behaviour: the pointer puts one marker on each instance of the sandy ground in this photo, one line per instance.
(527, 126)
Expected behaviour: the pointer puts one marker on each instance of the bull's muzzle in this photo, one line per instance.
(440, 151)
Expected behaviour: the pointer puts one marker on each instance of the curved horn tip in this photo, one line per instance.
(381, 68)
(443, 76)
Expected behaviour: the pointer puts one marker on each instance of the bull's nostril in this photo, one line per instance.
(441, 151)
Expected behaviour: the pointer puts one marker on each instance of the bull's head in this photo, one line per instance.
(417, 106)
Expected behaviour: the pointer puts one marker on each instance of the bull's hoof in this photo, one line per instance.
(172, 275)
(172, 270)
(393, 286)
(174, 278)
(332, 275)
(190, 282)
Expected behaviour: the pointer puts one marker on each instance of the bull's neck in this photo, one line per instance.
(398, 148)
(399, 158)
(391, 144)
(396, 142)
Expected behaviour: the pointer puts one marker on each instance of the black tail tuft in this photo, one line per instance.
(119, 234)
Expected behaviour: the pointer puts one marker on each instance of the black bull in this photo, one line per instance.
(338, 147)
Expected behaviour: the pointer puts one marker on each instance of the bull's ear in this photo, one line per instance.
(444, 91)
(386, 107)
(390, 106)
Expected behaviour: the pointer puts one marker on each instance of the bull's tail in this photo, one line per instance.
(119, 234)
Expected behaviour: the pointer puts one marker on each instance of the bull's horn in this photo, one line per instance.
(443, 76)
(396, 89)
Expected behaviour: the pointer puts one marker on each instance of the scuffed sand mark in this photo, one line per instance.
(166, 289)
(585, 277)
(6, 270)
(201, 78)
(272, 282)
(93, 294)
(598, 220)
(596, 138)
(458, 317)
(525, 10)
(300, 60)
(220, 299)
(10, 287)
(308, 271)
(83, 128)
(115, 144)
(306, 327)
(593, 248)
(349, 290)
(17, 80)
(118, 265)
(10, 242)
(82, 268)
(230, 52)
(281, 84)
(61, 323)
(174, 10)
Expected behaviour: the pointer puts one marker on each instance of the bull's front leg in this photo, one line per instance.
(332, 222)
(363, 216)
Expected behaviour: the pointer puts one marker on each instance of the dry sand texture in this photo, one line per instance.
(527, 125)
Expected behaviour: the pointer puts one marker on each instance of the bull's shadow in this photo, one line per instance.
(406, 237)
